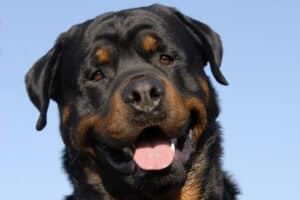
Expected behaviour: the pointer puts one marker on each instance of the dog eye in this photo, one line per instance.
(166, 59)
(97, 76)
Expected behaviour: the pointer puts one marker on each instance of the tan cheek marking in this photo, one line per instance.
(205, 88)
(65, 118)
(149, 43)
(82, 130)
(66, 114)
(183, 107)
(103, 55)
(178, 114)
(114, 124)
(117, 119)
(197, 105)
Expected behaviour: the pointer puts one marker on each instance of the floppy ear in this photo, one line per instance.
(40, 81)
(211, 42)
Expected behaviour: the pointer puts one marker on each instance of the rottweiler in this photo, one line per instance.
(137, 110)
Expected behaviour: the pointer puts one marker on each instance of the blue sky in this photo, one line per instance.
(260, 107)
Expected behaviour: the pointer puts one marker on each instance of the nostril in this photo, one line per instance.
(136, 97)
(155, 93)
(133, 97)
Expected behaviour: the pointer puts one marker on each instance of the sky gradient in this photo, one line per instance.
(260, 107)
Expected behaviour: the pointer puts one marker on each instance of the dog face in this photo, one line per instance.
(132, 94)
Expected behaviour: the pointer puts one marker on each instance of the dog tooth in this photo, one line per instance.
(173, 146)
(174, 141)
(191, 134)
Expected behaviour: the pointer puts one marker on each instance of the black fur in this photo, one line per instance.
(94, 161)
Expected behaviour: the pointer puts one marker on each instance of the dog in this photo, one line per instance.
(137, 109)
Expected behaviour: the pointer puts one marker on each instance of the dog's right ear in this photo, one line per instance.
(40, 80)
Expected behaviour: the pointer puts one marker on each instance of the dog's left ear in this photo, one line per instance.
(40, 81)
(211, 42)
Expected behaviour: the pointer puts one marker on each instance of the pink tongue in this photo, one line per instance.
(153, 155)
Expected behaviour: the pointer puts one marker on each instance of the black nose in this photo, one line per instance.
(143, 94)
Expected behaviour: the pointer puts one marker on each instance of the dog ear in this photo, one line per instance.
(40, 78)
(211, 42)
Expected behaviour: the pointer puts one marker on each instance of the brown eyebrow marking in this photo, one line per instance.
(149, 43)
(103, 55)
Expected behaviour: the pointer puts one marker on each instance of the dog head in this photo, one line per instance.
(132, 94)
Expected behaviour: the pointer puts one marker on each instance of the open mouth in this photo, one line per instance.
(153, 150)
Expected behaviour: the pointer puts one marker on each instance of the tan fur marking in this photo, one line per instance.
(103, 55)
(84, 125)
(195, 104)
(149, 43)
(116, 120)
(66, 114)
(205, 88)
(179, 110)
(92, 177)
(114, 125)
(177, 113)
(190, 192)
(192, 189)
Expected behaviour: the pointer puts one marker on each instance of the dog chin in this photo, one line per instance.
(161, 182)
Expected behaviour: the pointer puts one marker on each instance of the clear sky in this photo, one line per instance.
(260, 107)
